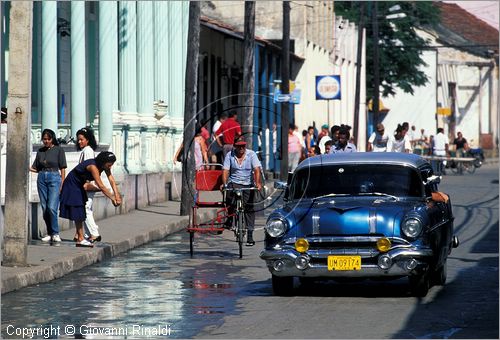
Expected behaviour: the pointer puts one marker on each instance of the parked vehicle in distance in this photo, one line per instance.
(359, 216)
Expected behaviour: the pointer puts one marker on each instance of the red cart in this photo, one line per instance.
(208, 178)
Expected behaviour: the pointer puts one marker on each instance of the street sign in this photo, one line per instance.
(328, 87)
(444, 111)
(280, 98)
(293, 97)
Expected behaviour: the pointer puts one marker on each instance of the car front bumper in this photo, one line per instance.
(400, 258)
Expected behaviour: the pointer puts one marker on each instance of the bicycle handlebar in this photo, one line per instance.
(239, 189)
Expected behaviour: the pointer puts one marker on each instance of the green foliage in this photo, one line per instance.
(400, 48)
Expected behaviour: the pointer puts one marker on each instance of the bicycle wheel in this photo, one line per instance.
(191, 222)
(454, 167)
(191, 241)
(241, 233)
(470, 168)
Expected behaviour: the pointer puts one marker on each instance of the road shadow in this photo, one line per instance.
(332, 288)
(468, 306)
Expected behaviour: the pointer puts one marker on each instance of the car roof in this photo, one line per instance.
(396, 158)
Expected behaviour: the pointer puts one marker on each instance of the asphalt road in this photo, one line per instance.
(217, 295)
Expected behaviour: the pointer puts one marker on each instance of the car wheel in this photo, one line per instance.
(439, 276)
(419, 285)
(282, 285)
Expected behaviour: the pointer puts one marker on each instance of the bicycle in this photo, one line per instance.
(240, 227)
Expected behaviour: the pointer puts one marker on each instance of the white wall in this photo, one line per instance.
(310, 110)
(418, 109)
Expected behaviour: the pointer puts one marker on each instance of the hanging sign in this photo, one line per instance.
(328, 87)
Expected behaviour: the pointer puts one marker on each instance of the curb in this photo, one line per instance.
(35, 274)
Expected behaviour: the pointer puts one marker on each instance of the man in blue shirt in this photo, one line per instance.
(343, 144)
(242, 169)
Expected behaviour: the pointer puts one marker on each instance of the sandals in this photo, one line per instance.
(85, 243)
(97, 239)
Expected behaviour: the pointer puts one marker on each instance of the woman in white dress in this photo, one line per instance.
(398, 142)
(87, 144)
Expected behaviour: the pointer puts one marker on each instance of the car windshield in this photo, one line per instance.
(356, 180)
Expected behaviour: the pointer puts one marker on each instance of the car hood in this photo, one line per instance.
(349, 216)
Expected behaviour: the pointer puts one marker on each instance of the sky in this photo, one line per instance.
(487, 11)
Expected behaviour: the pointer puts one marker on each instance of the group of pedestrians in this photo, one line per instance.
(73, 194)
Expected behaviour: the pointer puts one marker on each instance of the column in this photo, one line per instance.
(145, 90)
(161, 49)
(49, 65)
(108, 79)
(127, 58)
(78, 68)
(127, 41)
(178, 20)
(145, 58)
(108, 69)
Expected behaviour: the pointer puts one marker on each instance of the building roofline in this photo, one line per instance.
(225, 28)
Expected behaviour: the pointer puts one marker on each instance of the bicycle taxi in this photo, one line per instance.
(208, 181)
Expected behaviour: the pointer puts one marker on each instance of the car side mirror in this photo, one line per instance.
(433, 180)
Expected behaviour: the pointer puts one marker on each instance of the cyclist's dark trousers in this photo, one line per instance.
(248, 203)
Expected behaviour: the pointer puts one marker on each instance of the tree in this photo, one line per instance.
(400, 48)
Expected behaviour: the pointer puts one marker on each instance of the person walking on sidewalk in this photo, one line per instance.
(74, 194)
(87, 144)
(294, 149)
(242, 169)
(50, 164)
(230, 130)
(440, 149)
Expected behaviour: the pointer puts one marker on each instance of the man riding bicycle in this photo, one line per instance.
(242, 169)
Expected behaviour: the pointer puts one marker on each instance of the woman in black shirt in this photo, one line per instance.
(50, 164)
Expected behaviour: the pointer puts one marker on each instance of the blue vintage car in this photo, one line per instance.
(360, 215)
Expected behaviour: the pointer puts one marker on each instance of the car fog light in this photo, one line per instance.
(384, 262)
(278, 265)
(383, 244)
(301, 245)
(302, 262)
(411, 264)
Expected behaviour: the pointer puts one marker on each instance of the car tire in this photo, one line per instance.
(439, 276)
(419, 285)
(282, 285)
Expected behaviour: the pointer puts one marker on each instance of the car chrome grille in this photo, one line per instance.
(321, 247)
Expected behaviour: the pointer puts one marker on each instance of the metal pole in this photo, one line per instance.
(328, 112)
(248, 72)
(376, 75)
(285, 86)
(359, 55)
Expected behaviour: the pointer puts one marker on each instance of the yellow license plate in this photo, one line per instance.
(344, 262)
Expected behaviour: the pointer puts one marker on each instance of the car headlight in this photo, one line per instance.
(411, 227)
(275, 227)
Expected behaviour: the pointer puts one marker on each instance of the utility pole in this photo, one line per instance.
(358, 70)
(376, 71)
(18, 135)
(193, 49)
(285, 89)
(248, 72)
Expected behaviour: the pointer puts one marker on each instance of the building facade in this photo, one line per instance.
(323, 45)
(118, 66)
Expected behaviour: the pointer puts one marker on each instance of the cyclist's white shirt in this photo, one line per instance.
(379, 141)
(241, 173)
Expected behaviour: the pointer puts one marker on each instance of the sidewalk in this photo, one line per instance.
(119, 233)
